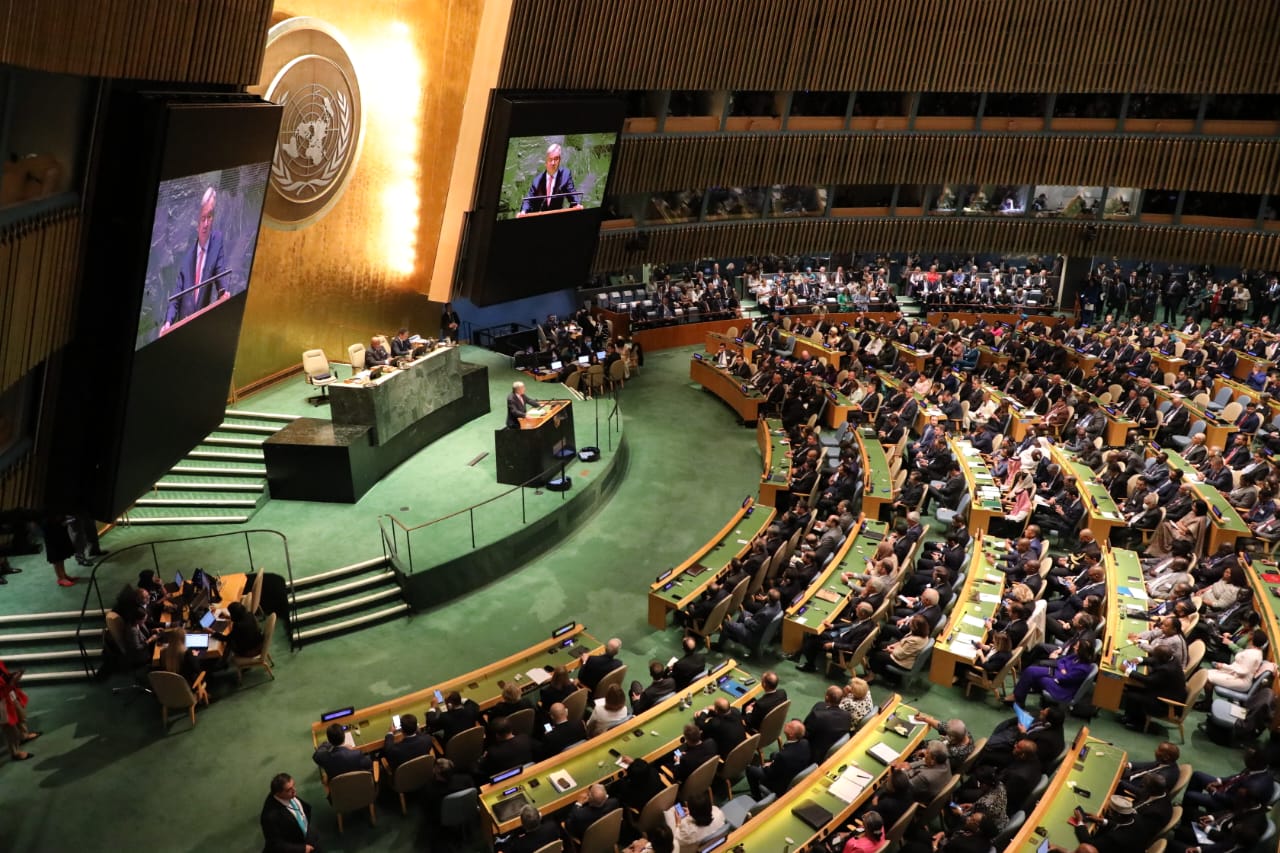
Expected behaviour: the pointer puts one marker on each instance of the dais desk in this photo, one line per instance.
(1092, 765)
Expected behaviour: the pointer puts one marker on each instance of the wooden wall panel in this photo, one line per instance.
(654, 163)
(205, 41)
(1164, 243)
(896, 45)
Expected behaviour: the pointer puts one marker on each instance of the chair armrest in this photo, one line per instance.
(377, 766)
(199, 682)
(1172, 702)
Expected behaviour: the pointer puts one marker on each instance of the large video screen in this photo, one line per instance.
(555, 174)
(539, 196)
(203, 237)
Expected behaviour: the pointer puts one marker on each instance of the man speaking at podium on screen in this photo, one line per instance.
(197, 284)
(552, 189)
(518, 405)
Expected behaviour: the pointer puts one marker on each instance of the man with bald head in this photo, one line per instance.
(518, 404)
(592, 805)
(564, 732)
(776, 773)
(596, 667)
(722, 723)
(827, 723)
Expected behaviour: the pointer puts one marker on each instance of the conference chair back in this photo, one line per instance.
(263, 658)
(602, 836)
(556, 846)
(896, 832)
(255, 596)
(944, 796)
(1195, 654)
(1158, 846)
(351, 791)
(1184, 779)
(413, 775)
(173, 693)
(1016, 820)
(714, 621)
(576, 703)
(767, 635)
(316, 364)
(521, 721)
(461, 808)
(700, 779)
(972, 760)
(355, 354)
(771, 725)
(465, 748)
(738, 595)
(613, 677)
(735, 763)
(651, 815)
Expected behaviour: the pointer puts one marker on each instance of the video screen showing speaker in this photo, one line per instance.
(202, 243)
(555, 174)
(543, 177)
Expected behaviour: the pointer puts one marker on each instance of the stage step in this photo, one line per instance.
(216, 440)
(185, 483)
(201, 499)
(322, 631)
(178, 515)
(227, 454)
(47, 647)
(242, 414)
(50, 616)
(346, 598)
(32, 678)
(249, 427)
(227, 469)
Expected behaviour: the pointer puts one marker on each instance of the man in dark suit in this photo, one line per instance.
(772, 697)
(535, 833)
(412, 744)
(596, 667)
(747, 629)
(458, 715)
(552, 189)
(722, 725)
(517, 404)
(826, 723)
(334, 758)
(689, 667)
(192, 288)
(286, 820)
(661, 686)
(507, 749)
(591, 806)
(783, 765)
(564, 733)
(842, 636)
(1165, 766)
(695, 750)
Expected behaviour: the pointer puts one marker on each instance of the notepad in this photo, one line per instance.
(850, 784)
(988, 598)
(884, 753)
(974, 621)
(538, 675)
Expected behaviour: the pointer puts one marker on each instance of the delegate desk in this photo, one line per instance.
(1217, 432)
(368, 726)
(1091, 764)
(1225, 523)
(545, 439)
(1264, 581)
(987, 357)
(774, 452)
(1118, 423)
(878, 483)
(1127, 604)
(984, 492)
(231, 588)
(841, 785)
(838, 407)
(733, 344)
(650, 736)
(1103, 512)
(814, 610)
(912, 356)
(1239, 389)
(394, 401)
(816, 350)
(1020, 417)
(976, 602)
(1245, 363)
(741, 396)
(675, 588)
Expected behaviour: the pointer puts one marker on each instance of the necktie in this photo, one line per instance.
(551, 182)
(200, 252)
(299, 815)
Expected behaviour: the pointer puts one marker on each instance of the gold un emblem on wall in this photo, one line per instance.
(308, 71)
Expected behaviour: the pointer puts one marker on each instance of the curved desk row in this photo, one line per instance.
(1102, 511)
(976, 602)
(1225, 523)
(675, 588)
(877, 489)
(1091, 765)
(775, 450)
(741, 396)
(650, 736)
(984, 491)
(1127, 605)
(815, 609)
(368, 726)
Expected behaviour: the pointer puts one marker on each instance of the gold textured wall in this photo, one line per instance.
(365, 266)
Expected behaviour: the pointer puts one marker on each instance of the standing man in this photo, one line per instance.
(192, 289)
(552, 189)
(449, 322)
(286, 819)
(517, 405)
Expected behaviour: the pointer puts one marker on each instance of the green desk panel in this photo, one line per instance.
(1096, 773)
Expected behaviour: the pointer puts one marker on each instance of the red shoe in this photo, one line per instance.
(66, 582)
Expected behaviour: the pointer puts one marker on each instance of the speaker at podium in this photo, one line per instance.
(534, 452)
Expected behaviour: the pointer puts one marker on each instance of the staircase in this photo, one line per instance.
(343, 599)
(223, 480)
(44, 644)
(910, 307)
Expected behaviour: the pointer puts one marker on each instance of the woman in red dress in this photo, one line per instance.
(14, 721)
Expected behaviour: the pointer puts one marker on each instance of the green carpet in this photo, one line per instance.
(103, 756)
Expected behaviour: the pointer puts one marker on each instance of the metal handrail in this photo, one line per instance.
(389, 526)
(94, 589)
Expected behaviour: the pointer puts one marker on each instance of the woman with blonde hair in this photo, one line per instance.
(176, 657)
(857, 701)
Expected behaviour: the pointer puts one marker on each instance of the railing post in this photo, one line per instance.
(471, 516)
(524, 519)
(248, 549)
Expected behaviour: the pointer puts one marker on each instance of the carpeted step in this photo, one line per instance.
(200, 498)
(187, 482)
(373, 617)
(183, 515)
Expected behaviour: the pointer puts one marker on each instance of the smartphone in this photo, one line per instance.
(546, 727)
(533, 783)
(678, 754)
(680, 812)
(615, 753)
(395, 722)
(439, 698)
(1084, 750)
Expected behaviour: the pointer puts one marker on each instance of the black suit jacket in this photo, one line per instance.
(454, 720)
(688, 668)
(398, 753)
(516, 408)
(560, 738)
(336, 760)
(726, 731)
(694, 757)
(823, 727)
(563, 193)
(280, 830)
(505, 754)
(787, 762)
(596, 668)
(762, 706)
(583, 815)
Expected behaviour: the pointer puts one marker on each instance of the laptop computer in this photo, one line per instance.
(557, 365)
(176, 584)
(197, 641)
(210, 622)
